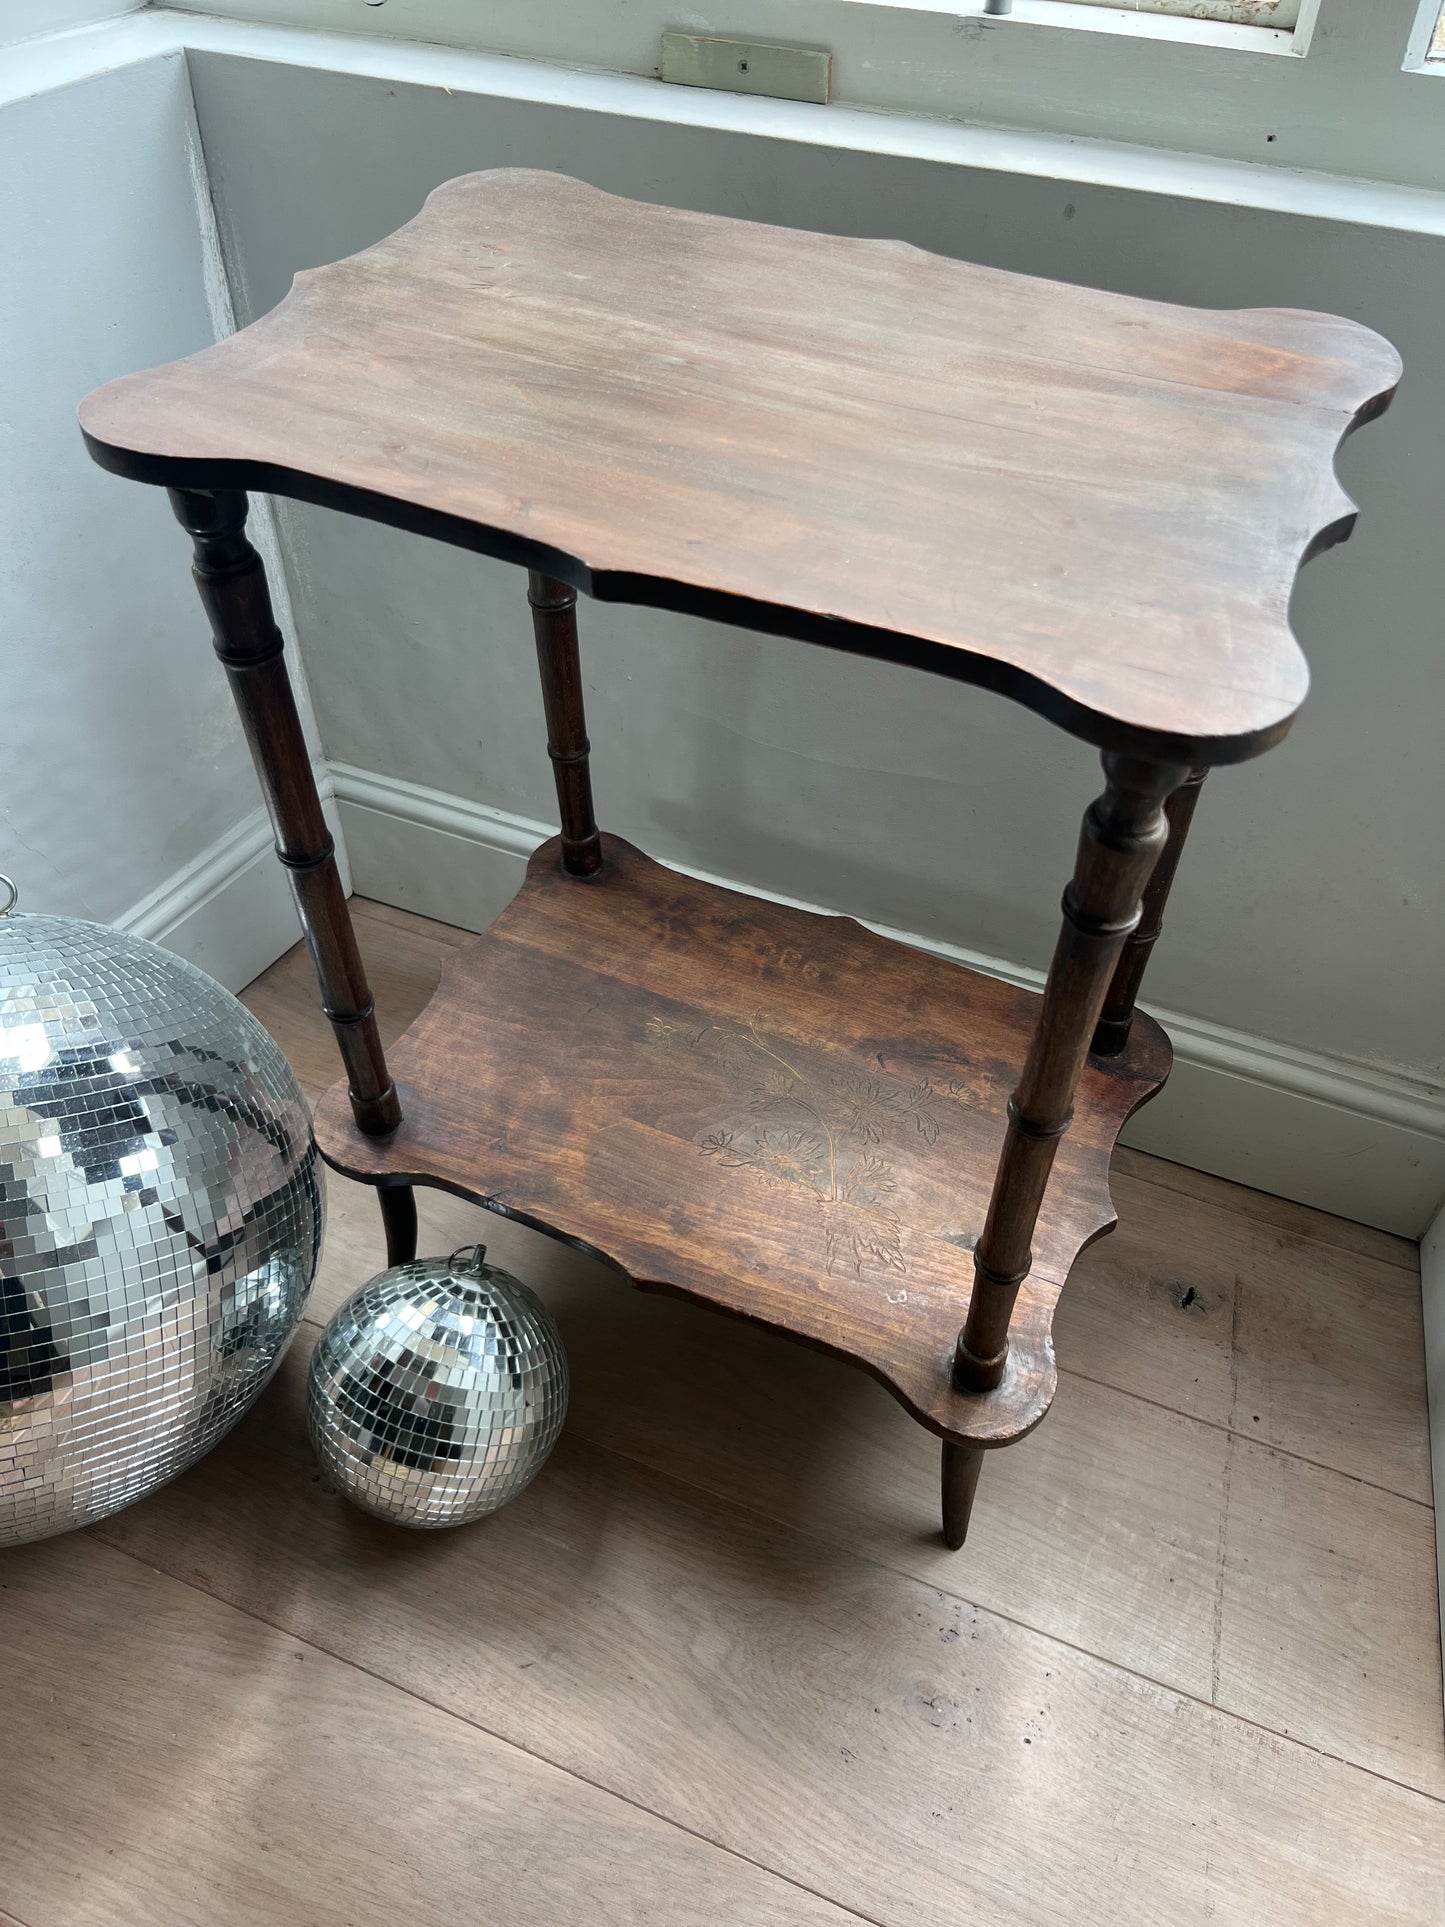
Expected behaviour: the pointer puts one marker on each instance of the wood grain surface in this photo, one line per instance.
(1167, 1517)
(1294, 1222)
(185, 1764)
(778, 1113)
(1101, 1528)
(1243, 1310)
(1293, 1342)
(1328, 1606)
(1095, 503)
(883, 1741)
(1173, 1543)
(722, 1614)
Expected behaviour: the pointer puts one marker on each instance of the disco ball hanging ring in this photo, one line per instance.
(160, 1217)
(437, 1391)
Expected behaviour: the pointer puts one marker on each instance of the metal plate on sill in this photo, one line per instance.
(747, 67)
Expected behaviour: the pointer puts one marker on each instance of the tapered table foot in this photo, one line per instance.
(961, 1467)
(398, 1215)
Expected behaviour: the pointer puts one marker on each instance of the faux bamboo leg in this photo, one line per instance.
(961, 1467)
(232, 585)
(1123, 833)
(1112, 1032)
(554, 622)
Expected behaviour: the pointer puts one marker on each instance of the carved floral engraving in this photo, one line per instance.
(823, 1134)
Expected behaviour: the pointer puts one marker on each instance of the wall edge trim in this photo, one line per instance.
(1364, 1141)
(196, 885)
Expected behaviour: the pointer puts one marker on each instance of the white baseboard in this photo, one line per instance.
(1365, 1143)
(1350, 1138)
(428, 851)
(229, 910)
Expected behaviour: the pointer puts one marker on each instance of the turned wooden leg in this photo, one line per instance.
(232, 585)
(1123, 833)
(961, 1467)
(554, 623)
(1112, 1031)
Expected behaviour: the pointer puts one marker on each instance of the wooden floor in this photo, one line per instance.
(715, 1666)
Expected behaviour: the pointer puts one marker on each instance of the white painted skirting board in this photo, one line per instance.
(229, 910)
(1365, 1143)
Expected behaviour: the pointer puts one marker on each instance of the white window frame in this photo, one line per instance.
(1239, 13)
(1173, 22)
(1429, 21)
(482, 24)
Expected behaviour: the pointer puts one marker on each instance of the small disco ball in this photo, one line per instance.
(161, 1214)
(437, 1391)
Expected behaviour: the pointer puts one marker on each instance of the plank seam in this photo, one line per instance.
(1248, 1438)
(748, 1511)
(479, 1726)
(1397, 1259)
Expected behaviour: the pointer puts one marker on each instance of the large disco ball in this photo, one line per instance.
(437, 1391)
(160, 1218)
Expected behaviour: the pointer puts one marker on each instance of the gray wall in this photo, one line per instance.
(1310, 911)
(122, 758)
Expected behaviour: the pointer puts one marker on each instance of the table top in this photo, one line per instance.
(1094, 503)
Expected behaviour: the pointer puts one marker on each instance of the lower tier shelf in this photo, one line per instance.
(776, 1113)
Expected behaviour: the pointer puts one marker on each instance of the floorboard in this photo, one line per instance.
(1146, 1536)
(1125, 1524)
(1328, 1626)
(169, 1761)
(862, 1733)
(1296, 1220)
(1300, 1344)
(714, 1665)
(1102, 1527)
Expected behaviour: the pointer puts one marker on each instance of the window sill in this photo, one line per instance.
(1057, 101)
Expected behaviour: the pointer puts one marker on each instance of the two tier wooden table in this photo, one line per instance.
(1094, 504)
